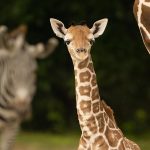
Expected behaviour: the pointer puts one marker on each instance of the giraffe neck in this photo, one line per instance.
(98, 126)
(92, 112)
(87, 96)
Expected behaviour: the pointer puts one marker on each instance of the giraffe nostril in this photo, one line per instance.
(78, 50)
(81, 50)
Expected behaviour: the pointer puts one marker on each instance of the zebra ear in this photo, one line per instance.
(19, 42)
(58, 27)
(40, 50)
(17, 37)
(49, 48)
(34, 50)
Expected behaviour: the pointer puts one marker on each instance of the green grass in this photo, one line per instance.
(47, 141)
(143, 141)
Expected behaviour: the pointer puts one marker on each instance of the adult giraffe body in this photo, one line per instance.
(141, 11)
(98, 126)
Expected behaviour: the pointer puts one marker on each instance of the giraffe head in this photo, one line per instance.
(79, 38)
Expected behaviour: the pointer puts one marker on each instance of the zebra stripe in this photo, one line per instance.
(17, 81)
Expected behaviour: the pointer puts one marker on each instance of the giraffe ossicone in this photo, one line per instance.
(141, 10)
(96, 119)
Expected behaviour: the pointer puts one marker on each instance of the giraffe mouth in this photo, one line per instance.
(81, 56)
(78, 56)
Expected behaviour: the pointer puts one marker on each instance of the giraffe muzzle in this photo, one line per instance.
(81, 50)
(81, 53)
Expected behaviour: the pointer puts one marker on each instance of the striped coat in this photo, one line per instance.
(17, 80)
(17, 84)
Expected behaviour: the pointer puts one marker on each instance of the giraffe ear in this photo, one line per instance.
(58, 27)
(99, 27)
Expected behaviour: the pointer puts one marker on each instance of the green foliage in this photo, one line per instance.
(120, 59)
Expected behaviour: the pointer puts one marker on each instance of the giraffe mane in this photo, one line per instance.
(82, 23)
(109, 111)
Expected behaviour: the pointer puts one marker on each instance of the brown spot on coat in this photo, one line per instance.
(96, 107)
(101, 122)
(85, 106)
(113, 136)
(121, 146)
(111, 124)
(145, 17)
(90, 66)
(130, 144)
(106, 117)
(91, 124)
(85, 76)
(108, 111)
(93, 81)
(85, 90)
(95, 93)
(83, 64)
(101, 106)
(100, 144)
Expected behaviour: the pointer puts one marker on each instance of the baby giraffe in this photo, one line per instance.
(98, 126)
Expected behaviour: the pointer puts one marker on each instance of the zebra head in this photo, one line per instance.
(12, 42)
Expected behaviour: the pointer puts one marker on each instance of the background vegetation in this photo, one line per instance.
(120, 58)
(69, 141)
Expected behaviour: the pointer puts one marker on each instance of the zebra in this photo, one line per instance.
(18, 67)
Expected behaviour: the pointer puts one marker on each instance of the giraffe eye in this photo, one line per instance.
(91, 41)
(67, 42)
